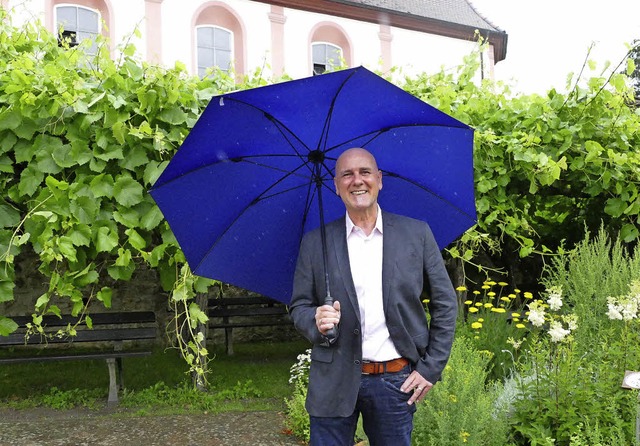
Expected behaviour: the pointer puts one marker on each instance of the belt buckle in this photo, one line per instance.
(362, 368)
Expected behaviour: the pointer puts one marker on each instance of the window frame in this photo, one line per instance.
(214, 49)
(63, 31)
(327, 62)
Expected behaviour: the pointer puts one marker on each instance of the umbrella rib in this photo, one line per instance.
(427, 190)
(307, 207)
(256, 200)
(279, 125)
(327, 122)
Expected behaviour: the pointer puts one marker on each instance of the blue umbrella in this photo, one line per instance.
(248, 181)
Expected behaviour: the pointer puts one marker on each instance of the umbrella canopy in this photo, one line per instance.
(244, 187)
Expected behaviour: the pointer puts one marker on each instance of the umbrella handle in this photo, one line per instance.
(331, 335)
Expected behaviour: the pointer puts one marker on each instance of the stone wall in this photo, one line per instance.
(143, 293)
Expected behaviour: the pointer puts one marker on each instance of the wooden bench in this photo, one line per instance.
(118, 329)
(243, 311)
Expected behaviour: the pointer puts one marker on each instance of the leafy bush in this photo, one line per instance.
(461, 408)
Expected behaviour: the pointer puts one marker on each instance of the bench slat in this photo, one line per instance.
(250, 324)
(258, 311)
(242, 300)
(72, 357)
(50, 320)
(95, 335)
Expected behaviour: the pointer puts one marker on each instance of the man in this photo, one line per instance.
(386, 355)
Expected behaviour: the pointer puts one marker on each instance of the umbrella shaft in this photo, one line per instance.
(328, 300)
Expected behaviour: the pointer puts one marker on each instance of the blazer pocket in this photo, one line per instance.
(322, 354)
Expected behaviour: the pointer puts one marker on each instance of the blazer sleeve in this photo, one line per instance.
(443, 308)
(304, 299)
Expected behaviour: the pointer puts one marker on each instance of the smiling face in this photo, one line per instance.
(358, 182)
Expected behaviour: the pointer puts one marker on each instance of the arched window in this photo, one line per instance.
(330, 47)
(325, 56)
(218, 37)
(77, 23)
(215, 48)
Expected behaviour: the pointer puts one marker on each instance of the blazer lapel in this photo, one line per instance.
(337, 235)
(389, 245)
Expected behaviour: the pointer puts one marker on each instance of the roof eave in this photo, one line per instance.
(496, 38)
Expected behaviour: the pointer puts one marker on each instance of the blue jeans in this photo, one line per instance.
(387, 418)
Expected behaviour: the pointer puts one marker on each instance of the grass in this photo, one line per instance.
(254, 378)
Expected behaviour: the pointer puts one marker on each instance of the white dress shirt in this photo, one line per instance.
(365, 259)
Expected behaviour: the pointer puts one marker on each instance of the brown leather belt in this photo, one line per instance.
(375, 368)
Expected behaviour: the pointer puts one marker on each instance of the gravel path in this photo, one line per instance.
(108, 428)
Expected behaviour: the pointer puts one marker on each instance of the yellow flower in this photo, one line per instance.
(480, 319)
(515, 319)
(461, 288)
(498, 310)
(503, 283)
(464, 435)
(485, 287)
(517, 291)
(473, 310)
(490, 283)
(505, 299)
(514, 314)
(476, 325)
(520, 326)
(468, 302)
(491, 294)
(453, 398)
(478, 304)
(425, 301)
(528, 295)
(476, 292)
(488, 305)
(512, 296)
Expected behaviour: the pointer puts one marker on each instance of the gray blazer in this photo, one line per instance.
(412, 263)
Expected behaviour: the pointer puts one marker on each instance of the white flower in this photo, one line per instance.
(614, 312)
(571, 320)
(555, 297)
(555, 302)
(536, 314)
(629, 309)
(623, 307)
(300, 370)
(556, 332)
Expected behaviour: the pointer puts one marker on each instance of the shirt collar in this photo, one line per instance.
(378, 225)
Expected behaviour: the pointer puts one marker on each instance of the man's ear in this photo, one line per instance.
(335, 184)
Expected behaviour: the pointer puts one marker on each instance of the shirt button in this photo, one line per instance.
(356, 332)
(356, 362)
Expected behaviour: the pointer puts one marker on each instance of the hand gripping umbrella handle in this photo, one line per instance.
(332, 334)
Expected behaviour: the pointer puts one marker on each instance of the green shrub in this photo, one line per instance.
(461, 408)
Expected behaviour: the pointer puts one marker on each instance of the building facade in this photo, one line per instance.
(296, 37)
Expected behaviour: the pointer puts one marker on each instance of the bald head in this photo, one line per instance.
(358, 182)
(355, 152)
